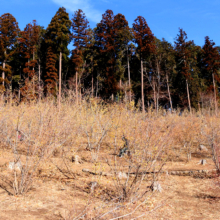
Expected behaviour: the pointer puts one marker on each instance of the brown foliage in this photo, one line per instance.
(51, 71)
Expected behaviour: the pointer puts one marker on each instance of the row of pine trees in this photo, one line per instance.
(112, 61)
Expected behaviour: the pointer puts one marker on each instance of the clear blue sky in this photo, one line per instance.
(198, 18)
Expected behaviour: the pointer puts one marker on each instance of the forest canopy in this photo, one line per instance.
(113, 62)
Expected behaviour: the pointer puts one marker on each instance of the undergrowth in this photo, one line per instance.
(37, 132)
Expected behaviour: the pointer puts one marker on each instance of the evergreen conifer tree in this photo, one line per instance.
(144, 38)
(57, 38)
(9, 31)
(185, 60)
(112, 35)
(211, 66)
(80, 39)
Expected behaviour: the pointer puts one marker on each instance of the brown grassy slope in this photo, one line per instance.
(54, 187)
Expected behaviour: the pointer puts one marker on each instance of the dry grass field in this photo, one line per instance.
(64, 163)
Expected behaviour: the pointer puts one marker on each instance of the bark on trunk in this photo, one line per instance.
(3, 78)
(97, 86)
(168, 89)
(3, 73)
(60, 80)
(77, 88)
(33, 79)
(19, 92)
(19, 95)
(158, 99)
(158, 86)
(33, 59)
(129, 78)
(39, 78)
(142, 86)
(80, 91)
(154, 88)
(11, 93)
(92, 86)
(187, 87)
(216, 106)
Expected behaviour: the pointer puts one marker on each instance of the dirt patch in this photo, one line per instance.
(54, 197)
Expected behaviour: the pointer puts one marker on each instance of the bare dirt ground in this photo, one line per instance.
(54, 196)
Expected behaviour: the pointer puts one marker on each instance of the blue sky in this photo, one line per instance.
(198, 18)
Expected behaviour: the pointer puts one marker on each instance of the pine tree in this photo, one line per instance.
(104, 36)
(185, 56)
(9, 31)
(211, 66)
(112, 35)
(41, 57)
(80, 39)
(156, 76)
(122, 37)
(28, 46)
(91, 53)
(144, 38)
(168, 65)
(161, 70)
(57, 38)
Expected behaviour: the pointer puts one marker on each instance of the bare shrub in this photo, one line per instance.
(144, 163)
(33, 134)
(128, 146)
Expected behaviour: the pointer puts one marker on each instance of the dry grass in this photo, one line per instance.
(50, 185)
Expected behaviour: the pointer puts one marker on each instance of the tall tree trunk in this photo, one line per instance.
(3, 78)
(92, 86)
(126, 85)
(39, 78)
(3, 75)
(187, 88)
(19, 95)
(3, 72)
(158, 95)
(77, 88)
(97, 86)
(129, 78)
(168, 89)
(142, 86)
(11, 92)
(112, 97)
(60, 80)
(33, 59)
(216, 106)
(154, 88)
(33, 77)
(80, 91)
(158, 86)
(19, 91)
